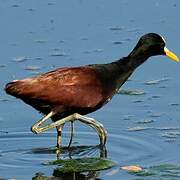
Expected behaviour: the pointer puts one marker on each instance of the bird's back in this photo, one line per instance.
(77, 87)
(85, 88)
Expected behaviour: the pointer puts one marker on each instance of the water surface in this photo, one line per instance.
(143, 128)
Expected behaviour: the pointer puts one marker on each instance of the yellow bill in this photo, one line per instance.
(171, 55)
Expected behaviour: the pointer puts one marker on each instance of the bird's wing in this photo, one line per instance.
(70, 87)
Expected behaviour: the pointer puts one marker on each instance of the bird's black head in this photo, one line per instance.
(151, 44)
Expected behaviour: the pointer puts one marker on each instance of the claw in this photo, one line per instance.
(35, 130)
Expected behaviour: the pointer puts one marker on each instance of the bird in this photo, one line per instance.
(70, 93)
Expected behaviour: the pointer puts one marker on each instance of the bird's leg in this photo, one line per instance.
(102, 133)
(90, 121)
(96, 125)
(59, 133)
(36, 127)
(72, 134)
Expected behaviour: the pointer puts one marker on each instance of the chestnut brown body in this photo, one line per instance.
(71, 89)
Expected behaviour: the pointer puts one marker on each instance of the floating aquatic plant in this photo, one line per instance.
(160, 171)
(157, 81)
(20, 59)
(58, 54)
(138, 128)
(82, 164)
(32, 68)
(145, 121)
(131, 92)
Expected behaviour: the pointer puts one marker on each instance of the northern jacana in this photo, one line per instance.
(67, 94)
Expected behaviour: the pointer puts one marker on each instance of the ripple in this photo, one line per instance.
(134, 149)
(23, 148)
(30, 152)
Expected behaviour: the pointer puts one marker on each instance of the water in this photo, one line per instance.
(38, 36)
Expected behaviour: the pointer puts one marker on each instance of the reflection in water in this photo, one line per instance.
(67, 176)
(77, 175)
(82, 151)
(72, 152)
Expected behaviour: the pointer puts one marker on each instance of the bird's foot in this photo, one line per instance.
(35, 130)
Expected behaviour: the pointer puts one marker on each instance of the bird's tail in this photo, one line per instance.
(12, 88)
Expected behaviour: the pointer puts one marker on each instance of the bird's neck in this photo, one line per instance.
(136, 58)
(131, 62)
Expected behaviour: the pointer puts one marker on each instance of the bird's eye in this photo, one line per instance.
(162, 45)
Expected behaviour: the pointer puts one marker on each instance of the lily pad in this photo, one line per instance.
(145, 121)
(20, 59)
(82, 164)
(160, 171)
(144, 173)
(58, 54)
(172, 134)
(32, 68)
(117, 28)
(41, 40)
(138, 128)
(131, 92)
(165, 167)
(157, 81)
